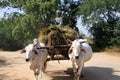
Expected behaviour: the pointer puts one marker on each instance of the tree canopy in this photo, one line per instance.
(103, 22)
(36, 14)
(100, 16)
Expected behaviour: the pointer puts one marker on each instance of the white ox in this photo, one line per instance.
(79, 53)
(37, 58)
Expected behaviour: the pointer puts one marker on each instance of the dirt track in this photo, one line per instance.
(100, 67)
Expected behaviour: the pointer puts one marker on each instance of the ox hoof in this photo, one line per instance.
(36, 73)
(81, 76)
(76, 77)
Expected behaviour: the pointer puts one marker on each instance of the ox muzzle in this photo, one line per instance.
(76, 57)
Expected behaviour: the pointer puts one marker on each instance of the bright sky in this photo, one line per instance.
(82, 28)
(8, 10)
(1, 12)
(79, 24)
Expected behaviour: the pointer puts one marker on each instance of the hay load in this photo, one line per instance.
(54, 35)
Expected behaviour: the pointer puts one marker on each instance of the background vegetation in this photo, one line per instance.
(100, 16)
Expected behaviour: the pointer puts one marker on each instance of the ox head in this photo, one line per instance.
(30, 52)
(76, 49)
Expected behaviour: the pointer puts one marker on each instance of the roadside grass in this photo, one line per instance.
(113, 50)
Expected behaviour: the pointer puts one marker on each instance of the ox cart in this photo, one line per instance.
(56, 39)
(57, 42)
(57, 50)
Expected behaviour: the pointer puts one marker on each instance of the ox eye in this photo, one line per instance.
(81, 46)
(35, 51)
(71, 47)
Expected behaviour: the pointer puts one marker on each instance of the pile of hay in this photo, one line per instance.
(54, 35)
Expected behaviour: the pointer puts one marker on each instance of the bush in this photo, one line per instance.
(113, 49)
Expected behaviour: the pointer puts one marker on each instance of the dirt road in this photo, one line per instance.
(100, 67)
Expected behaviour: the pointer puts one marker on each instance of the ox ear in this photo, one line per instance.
(70, 51)
(23, 51)
(83, 50)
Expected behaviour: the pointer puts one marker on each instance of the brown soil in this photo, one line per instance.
(100, 67)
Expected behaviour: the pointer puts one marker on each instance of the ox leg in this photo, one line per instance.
(36, 75)
(74, 69)
(44, 67)
(80, 68)
(41, 70)
(82, 73)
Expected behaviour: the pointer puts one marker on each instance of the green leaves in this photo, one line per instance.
(3, 3)
(101, 16)
(97, 15)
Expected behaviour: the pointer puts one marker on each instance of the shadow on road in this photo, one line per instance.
(2, 76)
(3, 63)
(100, 73)
(91, 73)
(61, 74)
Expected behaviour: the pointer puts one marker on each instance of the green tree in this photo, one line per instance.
(36, 14)
(70, 12)
(7, 42)
(26, 26)
(100, 17)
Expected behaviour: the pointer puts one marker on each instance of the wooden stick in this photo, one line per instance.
(54, 46)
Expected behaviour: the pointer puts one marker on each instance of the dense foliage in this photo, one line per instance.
(36, 14)
(18, 29)
(7, 41)
(103, 19)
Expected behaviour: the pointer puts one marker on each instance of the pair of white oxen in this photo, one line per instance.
(80, 51)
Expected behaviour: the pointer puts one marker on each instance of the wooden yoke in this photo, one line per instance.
(54, 46)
